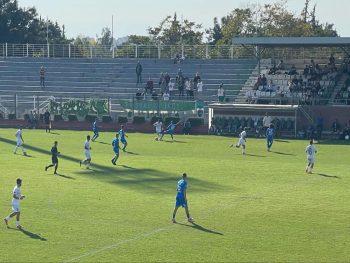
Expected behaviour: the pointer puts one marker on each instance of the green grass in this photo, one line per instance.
(261, 207)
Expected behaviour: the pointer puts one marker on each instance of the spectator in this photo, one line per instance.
(221, 93)
(171, 88)
(264, 80)
(196, 80)
(138, 73)
(266, 122)
(280, 65)
(167, 79)
(335, 126)
(154, 95)
(306, 70)
(47, 121)
(149, 86)
(200, 88)
(162, 83)
(139, 94)
(189, 88)
(258, 83)
(187, 127)
(292, 70)
(42, 77)
(331, 61)
(180, 81)
(166, 96)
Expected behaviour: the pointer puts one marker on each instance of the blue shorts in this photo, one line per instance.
(123, 141)
(116, 151)
(180, 201)
(95, 132)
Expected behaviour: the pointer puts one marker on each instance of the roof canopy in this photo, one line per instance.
(293, 41)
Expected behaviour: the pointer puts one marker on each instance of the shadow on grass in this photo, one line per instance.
(29, 234)
(131, 153)
(201, 228)
(65, 176)
(175, 141)
(104, 143)
(255, 155)
(138, 179)
(281, 153)
(329, 176)
(54, 133)
(279, 140)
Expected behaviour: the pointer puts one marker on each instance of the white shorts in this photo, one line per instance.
(87, 155)
(19, 143)
(15, 207)
(158, 131)
(241, 142)
(311, 159)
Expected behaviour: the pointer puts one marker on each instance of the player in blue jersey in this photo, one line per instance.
(270, 132)
(115, 144)
(170, 130)
(181, 198)
(122, 136)
(95, 130)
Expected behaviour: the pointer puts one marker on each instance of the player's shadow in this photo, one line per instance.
(131, 153)
(29, 234)
(281, 153)
(127, 167)
(54, 133)
(175, 141)
(65, 176)
(279, 140)
(104, 143)
(329, 176)
(201, 228)
(255, 155)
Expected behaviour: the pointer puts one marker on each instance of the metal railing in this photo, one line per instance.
(124, 51)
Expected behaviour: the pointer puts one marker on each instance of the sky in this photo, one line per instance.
(134, 17)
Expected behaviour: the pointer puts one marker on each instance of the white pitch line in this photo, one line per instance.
(93, 252)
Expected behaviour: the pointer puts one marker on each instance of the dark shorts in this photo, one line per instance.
(54, 160)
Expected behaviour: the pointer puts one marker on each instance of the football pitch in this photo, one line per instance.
(261, 207)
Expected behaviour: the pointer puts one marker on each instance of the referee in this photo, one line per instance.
(55, 153)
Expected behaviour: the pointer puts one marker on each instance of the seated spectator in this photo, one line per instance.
(264, 80)
(331, 61)
(167, 79)
(258, 83)
(162, 83)
(149, 86)
(306, 70)
(280, 65)
(270, 86)
(292, 70)
(154, 95)
(200, 87)
(139, 95)
(166, 96)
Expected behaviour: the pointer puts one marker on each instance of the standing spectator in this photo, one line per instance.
(187, 127)
(138, 73)
(47, 121)
(42, 77)
(266, 122)
(221, 93)
(166, 96)
(200, 88)
(188, 88)
(180, 81)
(171, 88)
(161, 83)
(167, 79)
(196, 80)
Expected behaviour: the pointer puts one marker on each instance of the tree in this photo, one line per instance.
(173, 32)
(215, 33)
(21, 25)
(106, 37)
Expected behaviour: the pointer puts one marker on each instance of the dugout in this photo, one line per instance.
(233, 117)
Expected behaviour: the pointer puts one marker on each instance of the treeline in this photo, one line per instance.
(20, 25)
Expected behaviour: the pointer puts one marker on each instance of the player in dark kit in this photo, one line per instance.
(55, 153)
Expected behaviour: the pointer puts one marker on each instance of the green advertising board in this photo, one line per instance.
(158, 105)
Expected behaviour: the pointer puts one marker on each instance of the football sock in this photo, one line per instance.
(7, 218)
(17, 223)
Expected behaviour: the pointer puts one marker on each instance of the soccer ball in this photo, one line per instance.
(156, 138)
(346, 137)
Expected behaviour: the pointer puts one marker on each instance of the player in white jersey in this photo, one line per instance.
(310, 152)
(241, 141)
(87, 148)
(19, 142)
(159, 126)
(17, 197)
